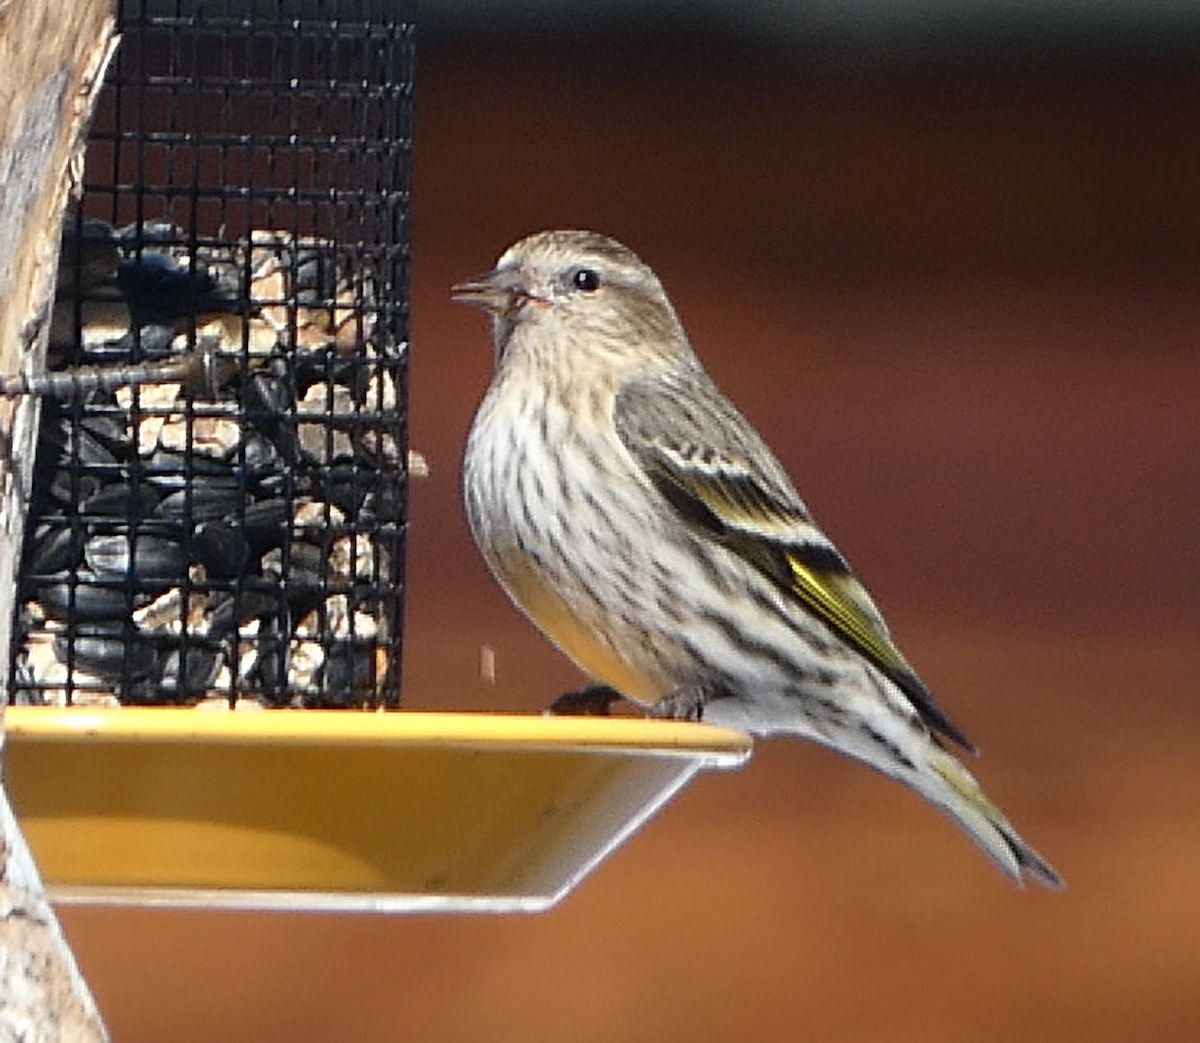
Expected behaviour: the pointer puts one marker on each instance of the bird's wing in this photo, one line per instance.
(714, 469)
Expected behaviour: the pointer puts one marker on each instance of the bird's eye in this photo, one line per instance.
(586, 279)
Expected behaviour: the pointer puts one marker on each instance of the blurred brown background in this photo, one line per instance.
(954, 281)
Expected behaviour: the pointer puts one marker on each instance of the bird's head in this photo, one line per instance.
(575, 291)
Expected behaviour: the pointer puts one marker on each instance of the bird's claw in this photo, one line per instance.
(687, 702)
(683, 704)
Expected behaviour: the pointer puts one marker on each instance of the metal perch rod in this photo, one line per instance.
(202, 371)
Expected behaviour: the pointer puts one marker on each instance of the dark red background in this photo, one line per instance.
(963, 308)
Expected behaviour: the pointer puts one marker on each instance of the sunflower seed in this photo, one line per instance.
(113, 654)
(85, 602)
(123, 501)
(190, 669)
(222, 548)
(206, 499)
(147, 557)
(54, 548)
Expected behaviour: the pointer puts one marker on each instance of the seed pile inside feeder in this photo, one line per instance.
(233, 529)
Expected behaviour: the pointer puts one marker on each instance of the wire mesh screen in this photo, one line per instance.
(219, 500)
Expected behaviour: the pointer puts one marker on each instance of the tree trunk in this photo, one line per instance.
(52, 58)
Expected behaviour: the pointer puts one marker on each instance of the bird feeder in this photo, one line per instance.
(218, 513)
(219, 495)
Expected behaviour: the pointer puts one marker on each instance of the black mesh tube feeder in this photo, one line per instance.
(220, 485)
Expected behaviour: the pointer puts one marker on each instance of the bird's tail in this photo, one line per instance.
(949, 785)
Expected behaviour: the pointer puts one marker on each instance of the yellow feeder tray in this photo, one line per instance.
(336, 810)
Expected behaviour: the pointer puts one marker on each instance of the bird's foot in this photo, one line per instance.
(596, 700)
(687, 702)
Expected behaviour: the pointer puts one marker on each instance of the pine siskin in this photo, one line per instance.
(637, 518)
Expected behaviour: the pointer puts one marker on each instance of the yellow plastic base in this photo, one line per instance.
(388, 812)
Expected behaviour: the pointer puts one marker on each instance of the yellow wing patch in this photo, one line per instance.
(745, 507)
(842, 603)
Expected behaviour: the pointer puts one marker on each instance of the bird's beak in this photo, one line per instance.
(496, 292)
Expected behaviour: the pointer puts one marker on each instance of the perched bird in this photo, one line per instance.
(636, 517)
